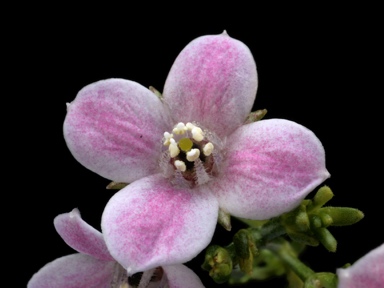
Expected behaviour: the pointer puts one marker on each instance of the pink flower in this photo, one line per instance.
(189, 153)
(94, 267)
(367, 272)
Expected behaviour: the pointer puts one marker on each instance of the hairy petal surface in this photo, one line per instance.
(150, 223)
(367, 272)
(74, 271)
(271, 166)
(180, 276)
(81, 236)
(213, 81)
(114, 125)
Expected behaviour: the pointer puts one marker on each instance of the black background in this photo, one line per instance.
(316, 66)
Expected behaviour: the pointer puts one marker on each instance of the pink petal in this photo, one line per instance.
(367, 272)
(116, 125)
(213, 81)
(81, 236)
(150, 223)
(271, 166)
(180, 276)
(74, 271)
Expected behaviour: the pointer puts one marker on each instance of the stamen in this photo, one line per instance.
(168, 136)
(208, 148)
(180, 165)
(180, 128)
(193, 155)
(173, 149)
(190, 126)
(197, 133)
(202, 176)
(146, 278)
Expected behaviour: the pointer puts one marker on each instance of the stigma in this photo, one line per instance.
(191, 154)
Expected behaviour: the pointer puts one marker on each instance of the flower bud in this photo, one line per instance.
(218, 262)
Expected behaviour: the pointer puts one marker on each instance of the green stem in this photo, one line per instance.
(302, 270)
(272, 229)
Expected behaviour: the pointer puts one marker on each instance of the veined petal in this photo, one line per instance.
(81, 236)
(114, 125)
(368, 271)
(271, 166)
(74, 271)
(150, 223)
(213, 81)
(180, 276)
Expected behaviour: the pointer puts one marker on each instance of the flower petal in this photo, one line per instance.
(114, 125)
(74, 271)
(368, 271)
(180, 276)
(213, 81)
(81, 236)
(271, 166)
(150, 223)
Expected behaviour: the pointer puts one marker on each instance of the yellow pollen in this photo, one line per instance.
(185, 144)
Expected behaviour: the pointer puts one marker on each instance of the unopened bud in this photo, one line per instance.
(219, 263)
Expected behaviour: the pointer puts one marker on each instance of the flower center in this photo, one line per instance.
(191, 154)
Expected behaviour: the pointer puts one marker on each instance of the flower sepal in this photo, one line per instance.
(224, 219)
(255, 116)
(156, 92)
(116, 185)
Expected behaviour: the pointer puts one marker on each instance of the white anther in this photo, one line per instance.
(180, 165)
(193, 155)
(180, 128)
(167, 138)
(190, 126)
(173, 149)
(197, 133)
(208, 148)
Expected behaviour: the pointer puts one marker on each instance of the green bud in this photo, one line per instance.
(241, 242)
(302, 221)
(245, 250)
(326, 238)
(297, 219)
(316, 221)
(343, 216)
(326, 219)
(218, 262)
(322, 196)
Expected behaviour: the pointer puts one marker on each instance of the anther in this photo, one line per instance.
(173, 149)
(197, 133)
(190, 126)
(193, 155)
(167, 136)
(180, 128)
(208, 148)
(180, 165)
